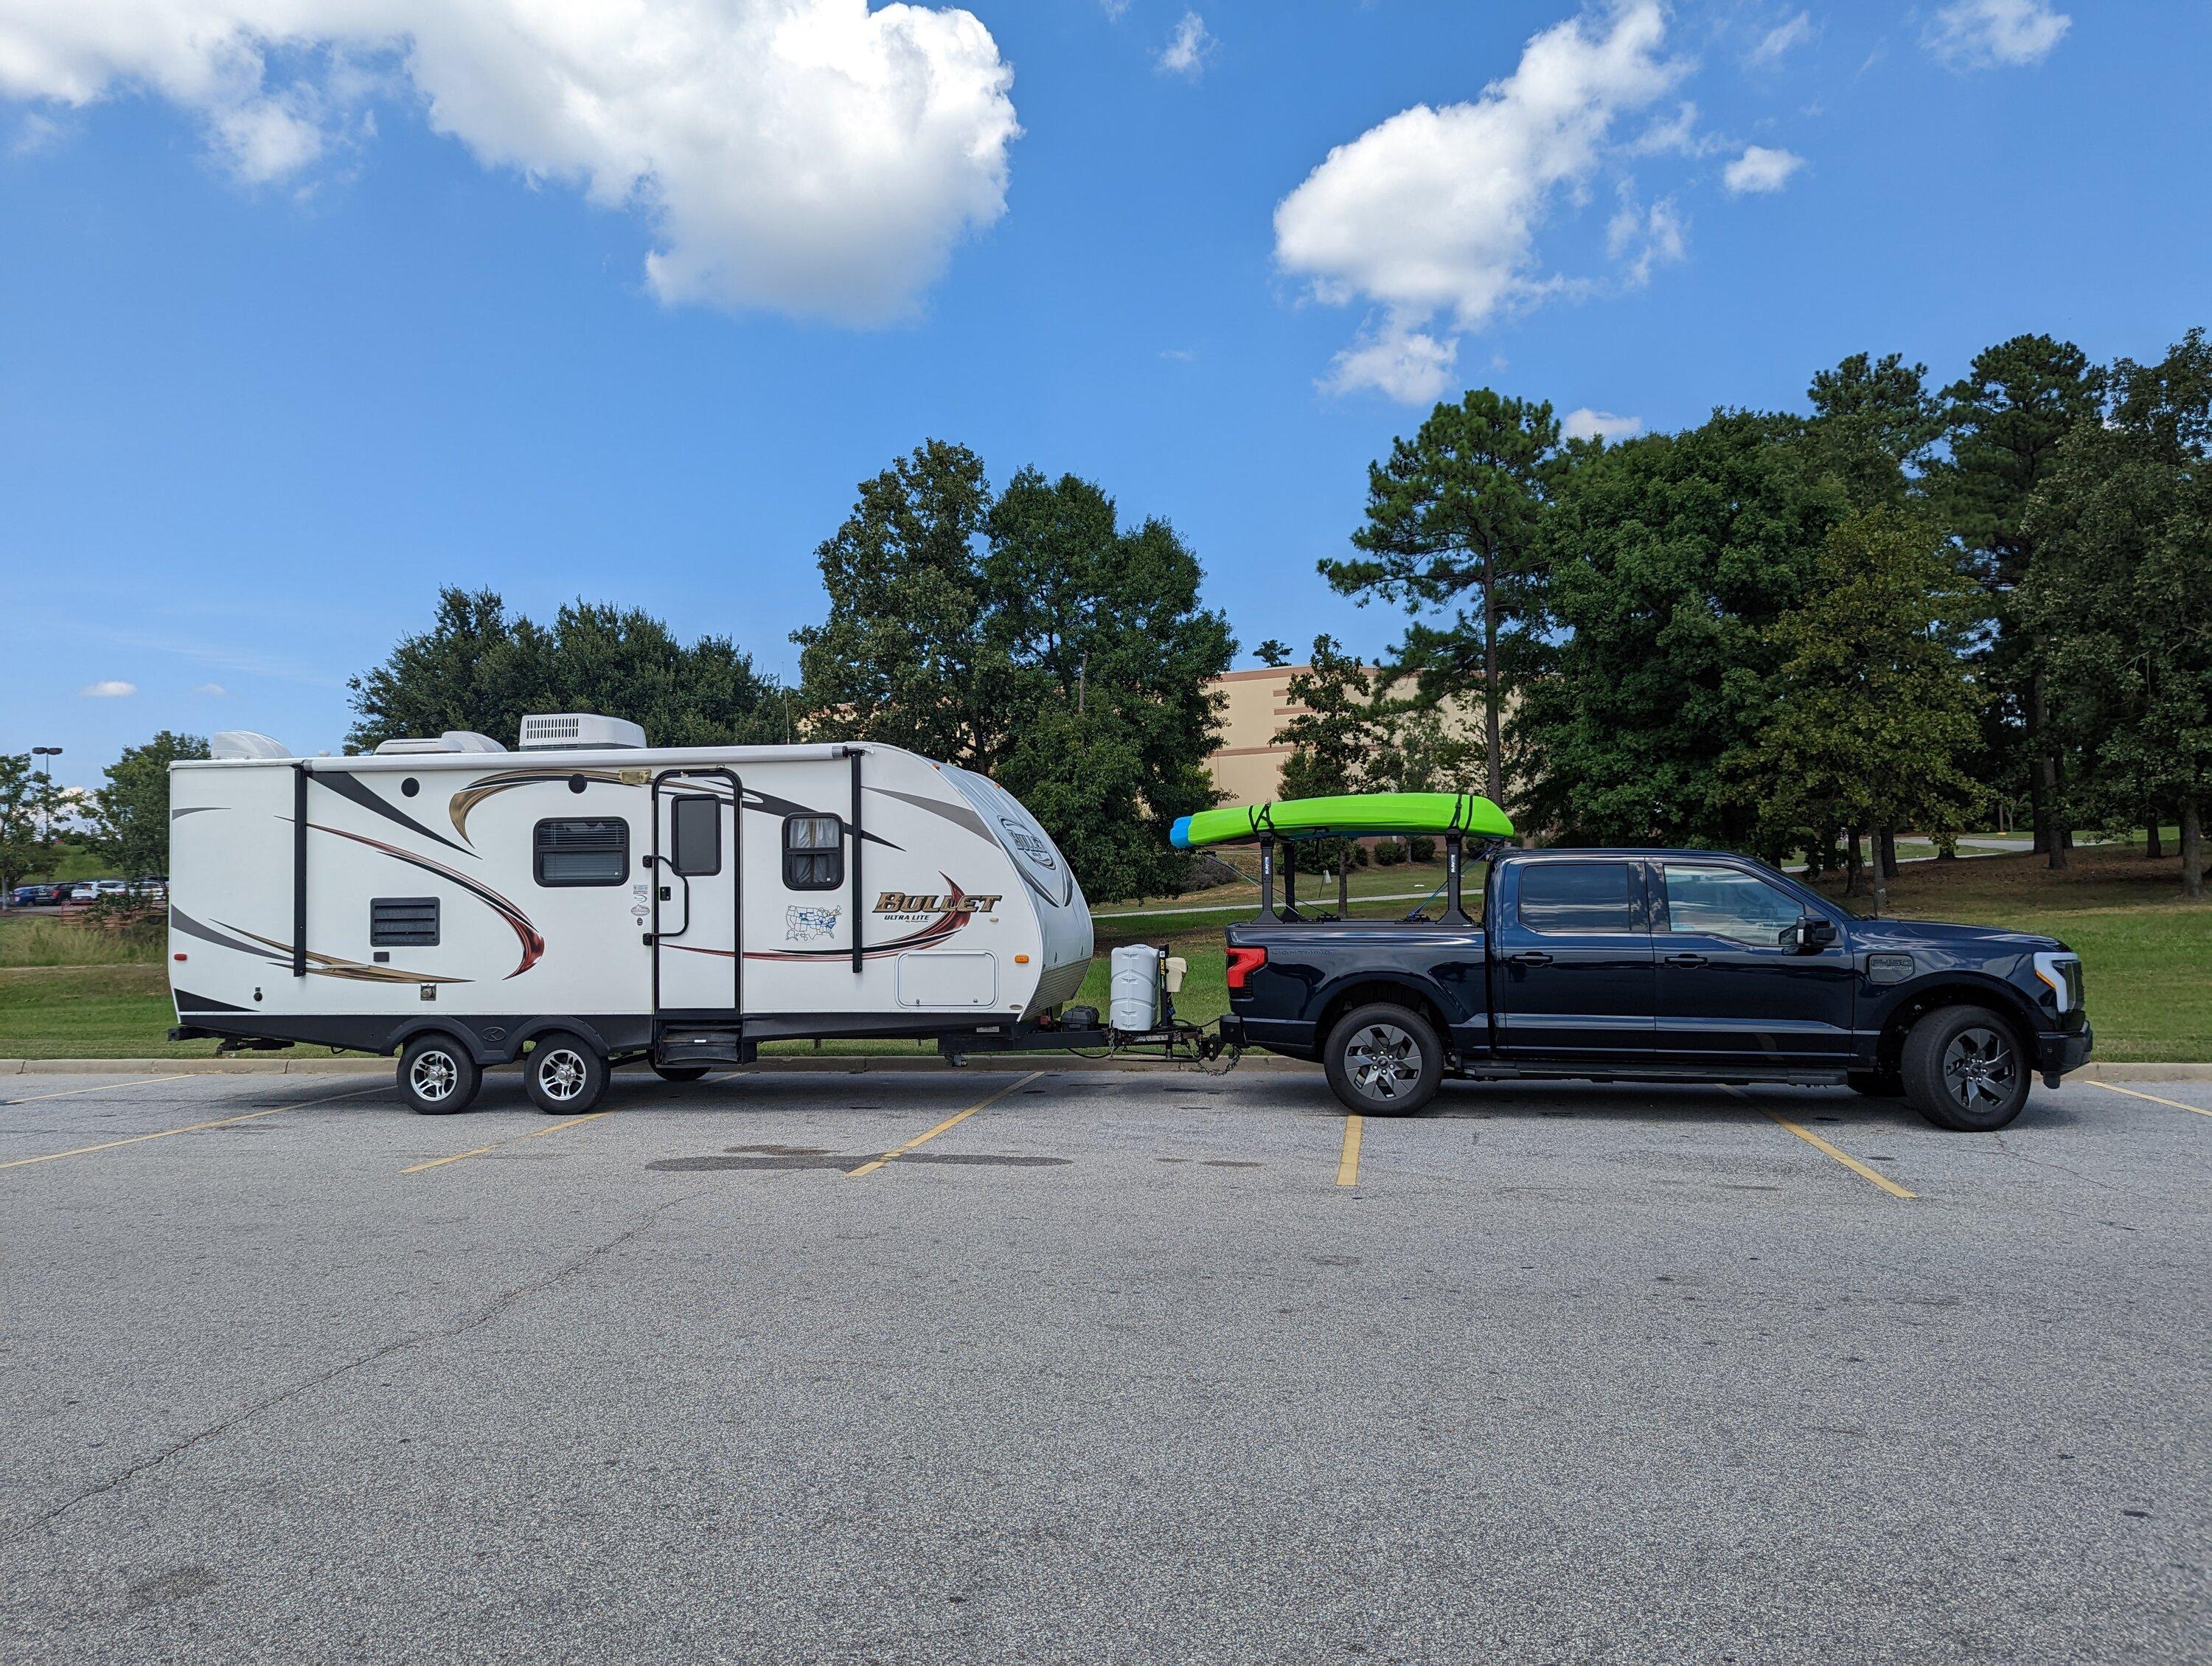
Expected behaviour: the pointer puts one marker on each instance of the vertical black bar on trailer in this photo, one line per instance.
(653, 886)
(1267, 876)
(858, 893)
(300, 869)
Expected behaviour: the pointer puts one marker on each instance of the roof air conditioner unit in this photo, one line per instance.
(245, 743)
(576, 732)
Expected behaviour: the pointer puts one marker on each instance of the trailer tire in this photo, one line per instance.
(1383, 1059)
(567, 1074)
(438, 1076)
(1965, 1070)
(681, 1073)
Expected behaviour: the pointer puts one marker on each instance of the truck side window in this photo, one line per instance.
(1576, 896)
(813, 853)
(695, 836)
(582, 851)
(1724, 901)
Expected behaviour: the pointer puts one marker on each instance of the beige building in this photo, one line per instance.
(1247, 765)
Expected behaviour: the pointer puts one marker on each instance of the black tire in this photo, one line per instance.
(566, 1075)
(438, 1076)
(1384, 1061)
(1964, 1070)
(681, 1073)
(1876, 1084)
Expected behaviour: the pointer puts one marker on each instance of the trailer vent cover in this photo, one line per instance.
(399, 922)
(570, 731)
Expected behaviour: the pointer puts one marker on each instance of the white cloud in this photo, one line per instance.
(1437, 211)
(815, 156)
(1186, 51)
(1760, 170)
(1588, 424)
(1977, 34)
(1114, 10)
(211, 688)
(108, 689)
(1643, 238)
(1779, 39)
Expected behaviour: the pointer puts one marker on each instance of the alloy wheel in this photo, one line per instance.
(1384, 1061)
(562, 1074)
(433, 1077)
(1980, 1069)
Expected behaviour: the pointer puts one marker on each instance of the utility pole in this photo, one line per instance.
(46, 797)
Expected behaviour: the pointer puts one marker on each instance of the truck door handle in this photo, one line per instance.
(1685, 960)
(1531, 958)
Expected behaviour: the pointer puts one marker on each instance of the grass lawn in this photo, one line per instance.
(2147, 956)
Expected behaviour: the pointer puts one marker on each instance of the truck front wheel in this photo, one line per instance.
(1964, 1070)
(1385, 1061)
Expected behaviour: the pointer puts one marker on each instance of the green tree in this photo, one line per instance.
(1670, 558)
(1451, 536)
(479, 667)
(23, 846)
(2004, 421)
(1331, 735)
(1031, 636)
(1874, 707)
(2119, 598)
(1874, 424)
(1273, 651)
(129, 816)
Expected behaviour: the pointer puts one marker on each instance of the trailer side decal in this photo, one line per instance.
(534, 945)
(765, 803)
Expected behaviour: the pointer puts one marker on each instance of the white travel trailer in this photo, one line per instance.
(590, 900)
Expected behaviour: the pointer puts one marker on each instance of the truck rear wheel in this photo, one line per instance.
(566, 1074)
(1385, 1061)
(1964, 1070)
(437, 1075)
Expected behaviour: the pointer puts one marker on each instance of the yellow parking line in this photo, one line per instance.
(534, 1133)
(950, 1122)
(2152, 1098)
(105, 1087)
(1348, 1165)
(219, 1122)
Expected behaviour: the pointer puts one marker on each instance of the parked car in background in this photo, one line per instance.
(85, 891)
(32, 897)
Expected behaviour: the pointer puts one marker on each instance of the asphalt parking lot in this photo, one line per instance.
(1115, 1368)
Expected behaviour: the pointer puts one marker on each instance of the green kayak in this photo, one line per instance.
(1347, 815)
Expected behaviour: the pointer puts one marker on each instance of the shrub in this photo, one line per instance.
(1390, 853)
(1424, 849)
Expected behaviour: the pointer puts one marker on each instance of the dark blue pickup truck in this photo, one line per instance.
(1660, 964)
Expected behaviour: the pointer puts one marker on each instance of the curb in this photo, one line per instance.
(859, 1064)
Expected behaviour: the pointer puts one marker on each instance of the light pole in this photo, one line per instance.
(46, 799)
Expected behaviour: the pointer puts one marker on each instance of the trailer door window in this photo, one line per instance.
(813, 853)
(583, 851)
(695, 834)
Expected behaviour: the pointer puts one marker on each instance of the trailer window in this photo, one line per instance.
(592, 851)
(400, 922)
(1576, 896)
(813, 853)
(695, 833)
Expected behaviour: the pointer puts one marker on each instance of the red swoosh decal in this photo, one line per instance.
(534, 945)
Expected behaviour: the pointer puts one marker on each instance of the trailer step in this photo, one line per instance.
(680, 1047)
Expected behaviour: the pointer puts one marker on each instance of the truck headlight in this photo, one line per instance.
(2061, 973)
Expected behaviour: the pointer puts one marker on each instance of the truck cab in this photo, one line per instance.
(1660, 964)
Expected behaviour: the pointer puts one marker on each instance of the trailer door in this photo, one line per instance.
(697, 972)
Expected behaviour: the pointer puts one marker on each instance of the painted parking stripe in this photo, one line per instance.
(105, 1087)
(219, 1122)
(893, 1156)
(1822, 1145)
(534, 1133)
(2110, 1088)
(1347, 1163)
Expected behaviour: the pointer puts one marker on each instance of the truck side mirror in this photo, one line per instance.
(1812, 932)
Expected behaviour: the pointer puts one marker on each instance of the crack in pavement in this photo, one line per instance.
(492, 1311)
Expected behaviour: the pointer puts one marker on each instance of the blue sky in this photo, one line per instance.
(299, 330)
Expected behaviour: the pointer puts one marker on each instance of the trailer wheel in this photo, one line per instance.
(1385, 1061)
(437, 1075)
(567, 1074)
(680, 1072)
(1964, 1070)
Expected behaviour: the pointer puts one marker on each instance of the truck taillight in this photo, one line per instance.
(1243, 963)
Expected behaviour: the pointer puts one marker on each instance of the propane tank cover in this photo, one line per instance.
(1136, 987)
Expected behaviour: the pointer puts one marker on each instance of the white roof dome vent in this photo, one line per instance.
(234, 744)
(577, 732)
